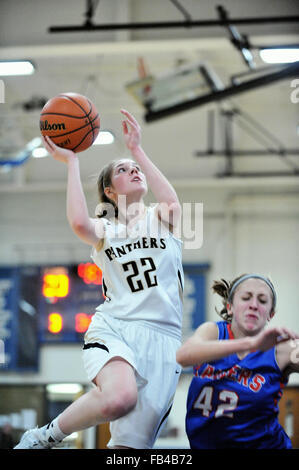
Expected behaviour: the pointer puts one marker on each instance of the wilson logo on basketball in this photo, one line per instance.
(72, 118)
(45, 126)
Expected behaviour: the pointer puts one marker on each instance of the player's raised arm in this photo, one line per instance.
(77, 213)
(204, 344)
(169, 208)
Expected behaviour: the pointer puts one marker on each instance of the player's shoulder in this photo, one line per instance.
(167, 215)
(100, 227)
(207, 331)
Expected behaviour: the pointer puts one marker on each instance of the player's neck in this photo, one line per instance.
(132, 210)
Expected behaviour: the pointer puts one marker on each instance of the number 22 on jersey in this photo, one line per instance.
(150, 279)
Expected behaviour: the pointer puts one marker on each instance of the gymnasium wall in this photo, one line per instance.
(245, 229)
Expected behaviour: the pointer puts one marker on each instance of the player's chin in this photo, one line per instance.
(139, 191)
(253, 327)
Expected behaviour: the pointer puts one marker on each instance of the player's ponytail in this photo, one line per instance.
(106, 208)
(223, 288)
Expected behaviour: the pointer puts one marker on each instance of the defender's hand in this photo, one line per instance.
(270, 337)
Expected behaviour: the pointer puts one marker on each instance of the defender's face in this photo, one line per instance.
(251, 306)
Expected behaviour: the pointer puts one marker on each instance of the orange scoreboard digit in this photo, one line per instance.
(69, 297)
(55, 285)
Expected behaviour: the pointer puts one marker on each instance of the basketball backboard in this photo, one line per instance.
(182, 84)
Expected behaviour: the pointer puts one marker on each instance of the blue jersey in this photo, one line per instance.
(233, 403)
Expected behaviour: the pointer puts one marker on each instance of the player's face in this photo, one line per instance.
(251, 306)
(128, 179)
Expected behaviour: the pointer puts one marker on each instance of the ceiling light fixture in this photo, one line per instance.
(277, 55)
(16, 67)
(104, 138)
(40, 152)
(64, 388)
(36, 148)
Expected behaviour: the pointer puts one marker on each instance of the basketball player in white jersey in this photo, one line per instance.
(130, 347)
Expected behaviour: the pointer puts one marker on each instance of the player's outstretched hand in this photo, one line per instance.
(270, 337)
(60, 154)
(132, 131)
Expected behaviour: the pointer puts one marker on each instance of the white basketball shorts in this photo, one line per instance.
(152, 354)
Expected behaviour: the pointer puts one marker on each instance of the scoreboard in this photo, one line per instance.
(44, 304)
(54, 304)
(69, 296)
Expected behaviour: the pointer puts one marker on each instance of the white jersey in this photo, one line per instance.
(142, 273)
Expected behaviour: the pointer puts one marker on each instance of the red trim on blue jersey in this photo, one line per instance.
(282, 386)
(230, 333)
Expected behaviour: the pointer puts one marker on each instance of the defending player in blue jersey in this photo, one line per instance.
(240, 369)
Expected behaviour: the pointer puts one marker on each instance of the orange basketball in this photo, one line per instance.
(71, 120)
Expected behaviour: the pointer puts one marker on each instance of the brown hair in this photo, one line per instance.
(223, 288)
(104, 180)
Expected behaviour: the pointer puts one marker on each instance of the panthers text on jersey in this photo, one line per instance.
(142, 273)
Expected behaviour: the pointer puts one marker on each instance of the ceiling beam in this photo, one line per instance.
(90, 27)
(133, 47)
